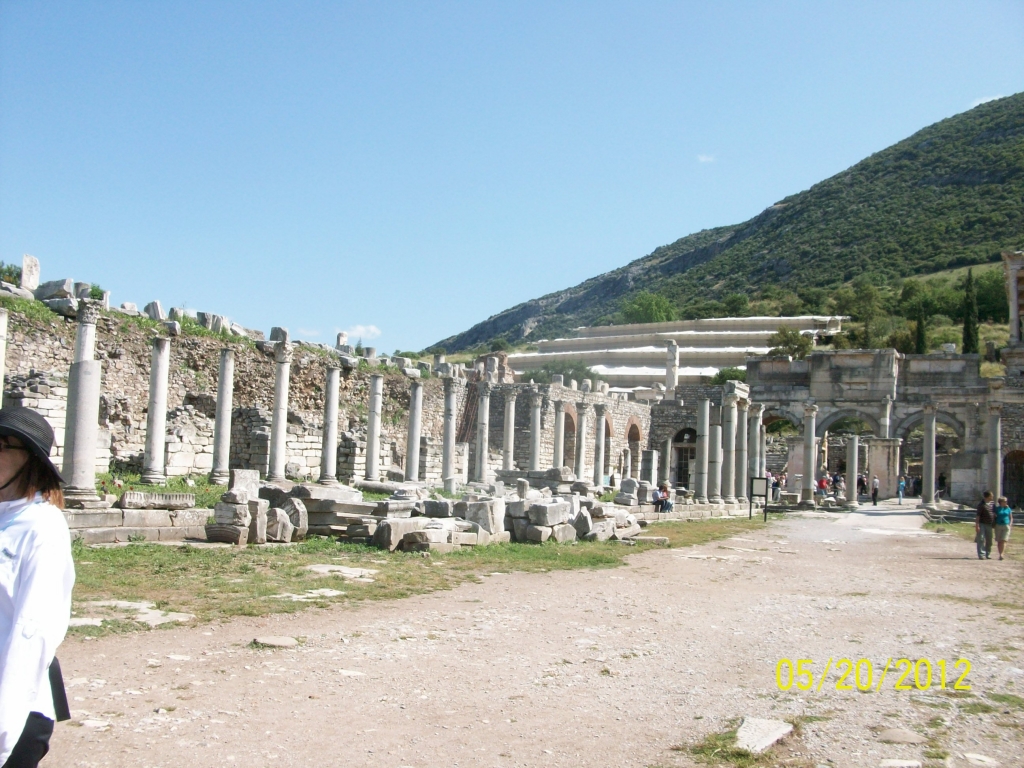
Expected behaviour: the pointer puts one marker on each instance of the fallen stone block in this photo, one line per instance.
(488, 514)
(29, 272)
(140, 500)
(563, 533)
(658, 541)
(549, 514)
(236, 496)
(538, 533)
(626, 500)
(190, 518)
(389, 532)
(63, 307)
(501, 537)
(583, 523)
(55, 289)
(433, 547)
(14, 290)
(258, 524)
(228, 534)
(361, 530)
(756, 734)
(438, 507)
(519, 526)
(147, 518)
(627, 533)
(279, 526)
(602, 530)
(901, 736)
(93, 519)
(249, 479)
(518, 508)
(276, 641)
(154, 311)
(425, 536)
(232, 514)
(463, 538)
(298, 517)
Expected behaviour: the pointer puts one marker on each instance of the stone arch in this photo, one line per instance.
(777, 412)
(942, 417)
(823, 423)
(569, 439)
(634, 423)
(635, 443)
(609, 426)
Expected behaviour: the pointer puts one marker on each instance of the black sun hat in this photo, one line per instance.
(33, 430)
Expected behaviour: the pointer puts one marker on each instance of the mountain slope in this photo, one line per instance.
(950, 195)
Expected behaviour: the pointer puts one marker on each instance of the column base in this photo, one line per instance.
(729, 500)
(742, 500)
(153, 477)
(852, 504)
(715, 500)
(275, 478)
(83, 498)
(220, 478)
(702, 500)
(327, 481)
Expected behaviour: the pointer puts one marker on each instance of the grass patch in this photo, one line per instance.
(32, 310)
(976, 708)
(207, 494)
(215, 583)
(721, 749)
(1007, 699)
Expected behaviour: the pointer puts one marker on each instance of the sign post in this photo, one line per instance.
(758, 487)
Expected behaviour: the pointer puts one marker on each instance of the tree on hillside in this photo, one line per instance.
(970, 337)
(862, 301)
(500, 345)
(647, 307)
(789, 342)
(728, 374)
(921, 331)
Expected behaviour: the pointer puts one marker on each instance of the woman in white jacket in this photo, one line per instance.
(36, 578)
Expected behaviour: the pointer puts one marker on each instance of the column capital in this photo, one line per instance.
(88, 311)
(333, 367)
(743, 404)
(483, 388)
(512, 395)
(995, 409)
(416, 384)
(810, 409)
(559, 406)
(161, 341)
(600, 408)
(756, 409)
(536, 399)
(282, 352)
(929, 408)
(583, 409)
(730, 398)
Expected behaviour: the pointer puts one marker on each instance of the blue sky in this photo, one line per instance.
(405, 170)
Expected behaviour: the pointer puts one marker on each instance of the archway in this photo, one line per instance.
(569, 440)
(635, 441)
(683, 461)
(1013, 478)
(606, 470)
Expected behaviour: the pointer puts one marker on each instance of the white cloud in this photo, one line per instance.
(979, 102)
(705, 158)
(364, 332)
(308, 332)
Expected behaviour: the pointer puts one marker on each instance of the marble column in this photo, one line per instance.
(559, 458)
(701, 473)
(754, 441)
(412, 444)
(279, 418)
(536, 402)
(852, 469)
(762, 451)
(219, 472)
(995, 452)
(810, 454)
(928, 457)
(483, 431)
(329, 446)
(599, 446)
(82, 424)
(627, 463)
(715, 464)
(373, 427)
(448, 437)
(671, 369)
(742, 483)
(581, 440)
(508, 449)
(154, 462)
(667, 454)
(729, 448)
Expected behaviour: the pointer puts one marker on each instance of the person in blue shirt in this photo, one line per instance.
(901, 488)
(1004, 520)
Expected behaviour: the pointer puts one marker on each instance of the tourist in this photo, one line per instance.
(874, 490)
(35, 593)
(1004, 520)
(901, 488)
(862, 486)
(776, 488)
(663, 499)
(984, 518)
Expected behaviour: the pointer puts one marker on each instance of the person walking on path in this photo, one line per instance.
(36, 577)
(1004, 520)
(983, 521)
(901, 489)
(874, 490)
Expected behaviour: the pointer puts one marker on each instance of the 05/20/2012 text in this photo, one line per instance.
(903, 674)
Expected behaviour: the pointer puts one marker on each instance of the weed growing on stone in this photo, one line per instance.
(721, 749)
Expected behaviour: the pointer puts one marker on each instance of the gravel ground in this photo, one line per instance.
(581, 668)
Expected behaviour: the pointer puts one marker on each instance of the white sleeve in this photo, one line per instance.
(41, 612)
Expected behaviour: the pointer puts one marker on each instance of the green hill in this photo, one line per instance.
(951, 195)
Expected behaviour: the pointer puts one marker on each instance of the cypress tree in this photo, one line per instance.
(970, 338)
(921, 332)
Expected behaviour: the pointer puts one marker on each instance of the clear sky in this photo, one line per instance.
(403, 170)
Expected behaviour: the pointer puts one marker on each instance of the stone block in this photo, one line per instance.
(563, 533)
(389, 532)
(93, 519)
(560, 474)
(228, 534)
(190, 518)
(602, 530)
(173, 327)
(538, 533)
(627, 533)
(232, 514)
(439, 508)
(626, 500)
(154, 311)
(63, 307)
(298, 516)
(519, 526)
(279, 334)
(236, 496)
(147, 518)
(313, 492)
(583, 523)
(426, 536)
(29, 272)
(502, 537)
(433, 546)
(279, 526)
(249, 479)
(463, 538)
(258, 508)
(55, 289)
(140, 500)
(13, 290)
(518, 508)
(549, 514)
(489, 514)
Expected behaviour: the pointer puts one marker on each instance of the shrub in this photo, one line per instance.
(647, 307)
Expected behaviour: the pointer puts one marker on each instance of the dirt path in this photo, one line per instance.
(571, 668)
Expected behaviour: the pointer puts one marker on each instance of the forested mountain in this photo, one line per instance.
(950, 195)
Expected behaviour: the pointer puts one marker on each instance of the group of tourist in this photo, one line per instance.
(992, 517)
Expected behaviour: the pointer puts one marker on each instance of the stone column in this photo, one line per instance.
(743, 407)
(3, 346)
(715, 464)
(279, 418)
(729, 448)
(509, 443)
(599, 447)
(82, 419)
(754, 441)
(483, 430)
(219, 472)
(559, 457)
(762, 451)
(329, 448)
(810, 417)
(701, 472)
(852, 470)
(581, 440)
(373, 427)
(671, 369)
(627, 463)
(928, 457)
(885, 417)
(412, 443)
(995, 452)
(448, 437)
(536, 402)
(153, 465)
(665, 470)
